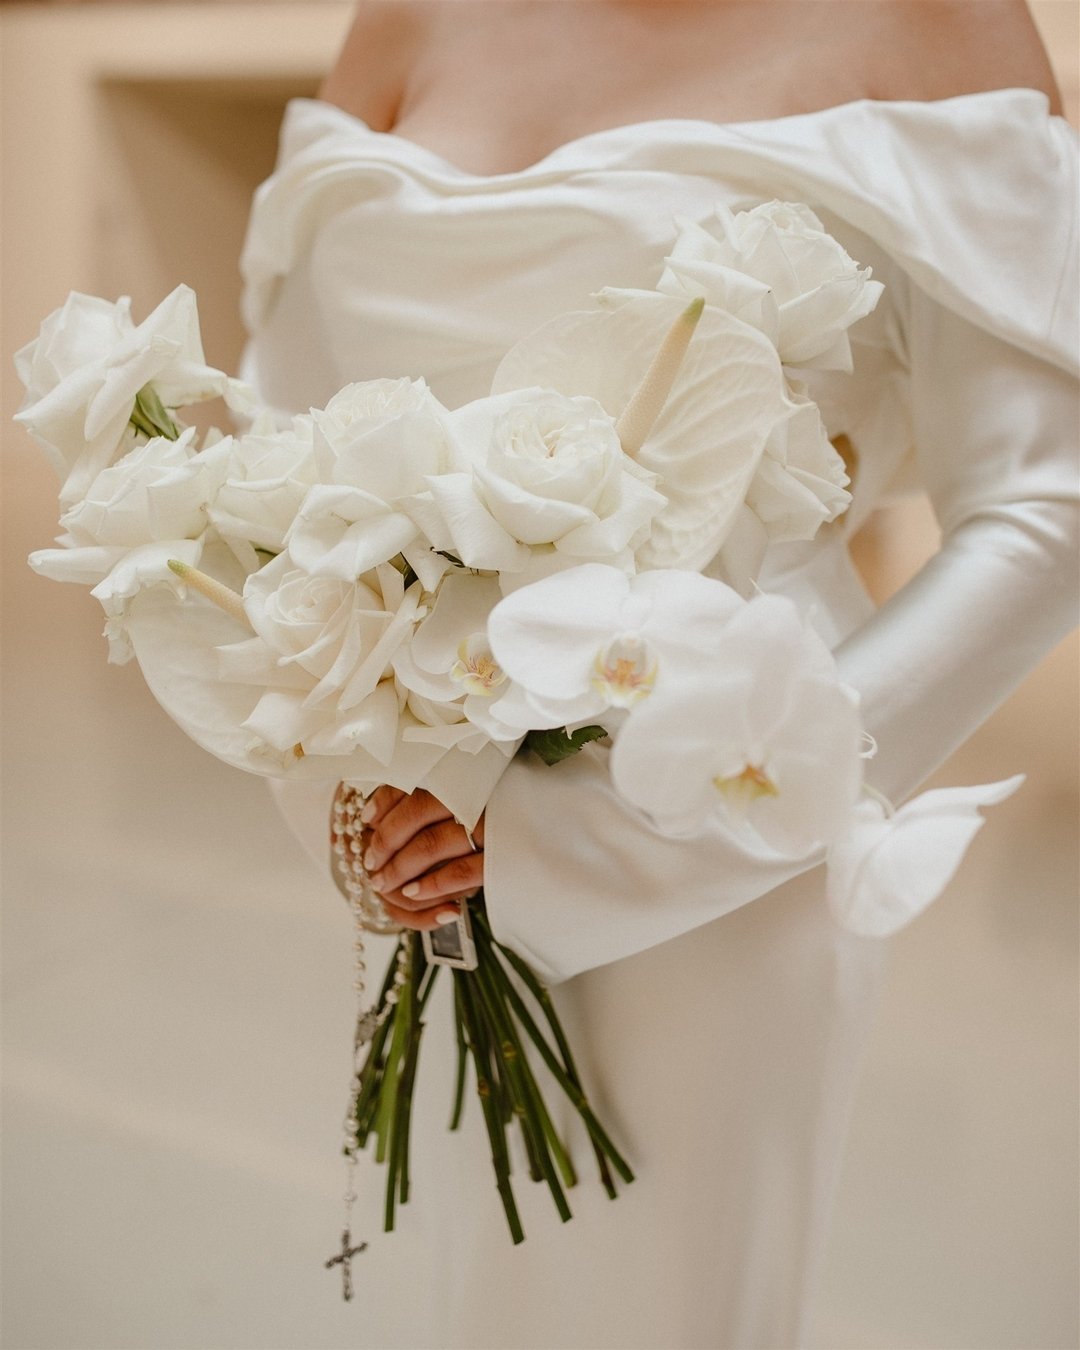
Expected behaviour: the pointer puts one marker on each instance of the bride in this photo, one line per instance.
(472, 169)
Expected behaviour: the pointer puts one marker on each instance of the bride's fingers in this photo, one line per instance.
(441, 884)
(429, 919)
(407, 817)
(382, 800)
(435, 844)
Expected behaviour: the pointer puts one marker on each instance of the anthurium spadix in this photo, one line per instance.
(727, 394)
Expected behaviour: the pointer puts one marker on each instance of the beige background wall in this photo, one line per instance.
(177, 998)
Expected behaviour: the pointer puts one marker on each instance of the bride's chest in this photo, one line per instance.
(496, 96)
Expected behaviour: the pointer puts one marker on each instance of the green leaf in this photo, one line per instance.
(559, 744)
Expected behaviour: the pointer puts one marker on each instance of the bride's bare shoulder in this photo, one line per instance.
(369, 75)
(941, 48)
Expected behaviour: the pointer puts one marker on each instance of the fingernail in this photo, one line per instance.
(376, 879)
(412, 890)
(368, 813)
(445, 916)
(369, 859)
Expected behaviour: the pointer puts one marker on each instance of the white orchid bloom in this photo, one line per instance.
(588, 640)
(886, 866)
(448, 662)
(760, 737)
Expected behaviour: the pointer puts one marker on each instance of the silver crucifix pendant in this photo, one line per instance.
(344, 1259)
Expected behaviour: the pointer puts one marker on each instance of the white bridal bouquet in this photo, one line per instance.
(389, 591)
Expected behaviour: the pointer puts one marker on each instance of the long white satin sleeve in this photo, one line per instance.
(574, 878)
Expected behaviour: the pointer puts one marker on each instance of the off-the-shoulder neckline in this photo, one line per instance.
(571, 149)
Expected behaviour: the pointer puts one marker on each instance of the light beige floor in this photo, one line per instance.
(177, 995)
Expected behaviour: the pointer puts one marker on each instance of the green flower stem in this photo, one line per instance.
(535, 1118)
(570, 1086)
(462, 1061)
(384, 1117)
(408, 1075)
(499, 1155)
(371, 1075)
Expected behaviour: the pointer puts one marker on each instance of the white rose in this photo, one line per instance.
(137, 514)
(776, 267)
(83, 371)
(323, 652)
(375, 445)
(549, 487)
(269, 472)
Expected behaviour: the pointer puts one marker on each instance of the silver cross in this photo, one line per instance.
(343, 1258)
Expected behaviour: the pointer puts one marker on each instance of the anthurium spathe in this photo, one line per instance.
(887, 866)
(760, 738)
(592, 639)
(705, 445)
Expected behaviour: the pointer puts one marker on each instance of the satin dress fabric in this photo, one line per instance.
(720, 1013)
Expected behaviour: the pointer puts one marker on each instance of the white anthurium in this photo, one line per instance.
(887, 866)
(776, 267)
(448, 663)
(584, 642)
(376, 443)
(761, 739)
(87, 365)
(547, 486)
(705, 446)
(268, 474)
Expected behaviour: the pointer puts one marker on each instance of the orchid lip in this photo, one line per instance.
(625, 671)
(750, 785)
(476, 669)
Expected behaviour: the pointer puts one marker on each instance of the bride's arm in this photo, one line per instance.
(575, 878)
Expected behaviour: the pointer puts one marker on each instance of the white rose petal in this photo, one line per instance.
(777, 268)
(268, 475)
(88, 363)
(884, 870)
(322, 654)
(546, 473)
(376, 444)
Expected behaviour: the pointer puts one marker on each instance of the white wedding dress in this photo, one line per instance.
(720, 1037)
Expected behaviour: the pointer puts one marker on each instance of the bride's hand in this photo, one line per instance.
(419, 860)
